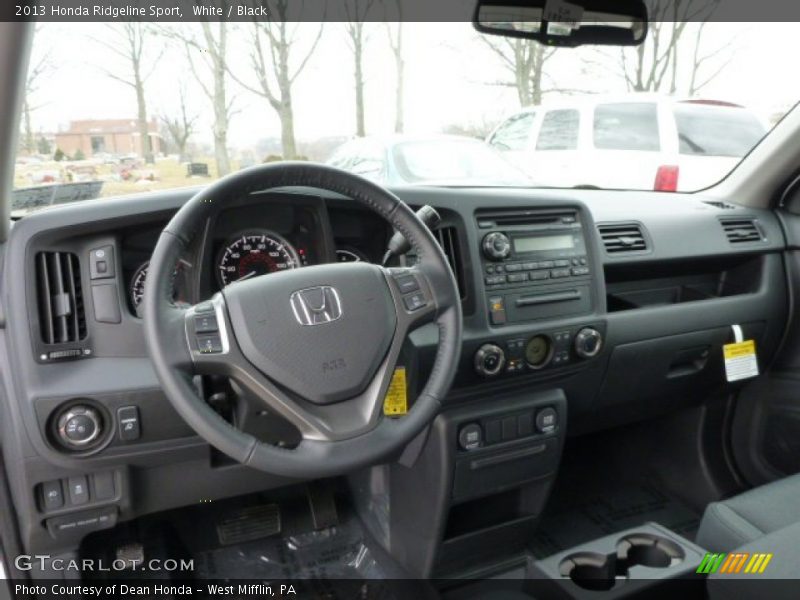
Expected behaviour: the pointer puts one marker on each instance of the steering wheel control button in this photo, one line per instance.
(414, 301)
(78, 490)
(209, 344)
(496, 246)
(407, 284)
(588, 342)
(546, 420)
(130, 427)
(470, 437)
(497, 310)
(204, 307)
(206, 323)
(52, 495)
(79, 426)
(101, 263)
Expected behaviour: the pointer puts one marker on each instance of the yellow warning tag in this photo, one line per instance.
(396, 401)
(740, 360)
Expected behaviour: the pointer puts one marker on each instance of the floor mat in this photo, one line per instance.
(576, 518)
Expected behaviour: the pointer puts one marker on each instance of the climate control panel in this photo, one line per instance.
(539, 351)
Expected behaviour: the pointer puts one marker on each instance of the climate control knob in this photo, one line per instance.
(79, 426)
(496, 246)
(588, 342)
(489, 360)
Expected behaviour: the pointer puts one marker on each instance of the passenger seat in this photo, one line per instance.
(731, 523)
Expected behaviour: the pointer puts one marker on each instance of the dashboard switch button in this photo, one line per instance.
(78, 490)
(101, 262)
(546, 420)
(52, 495)
(130, 428)
(470, 437)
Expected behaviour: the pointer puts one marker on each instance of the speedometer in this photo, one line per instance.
(255, 253)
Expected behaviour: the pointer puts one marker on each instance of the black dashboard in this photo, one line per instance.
(620, 301)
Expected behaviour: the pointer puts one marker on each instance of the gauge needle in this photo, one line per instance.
(250, 274)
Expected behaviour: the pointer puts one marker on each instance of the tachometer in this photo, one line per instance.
(139, 279)
(255, 253)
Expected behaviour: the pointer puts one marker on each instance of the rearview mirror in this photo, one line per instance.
(565, 23)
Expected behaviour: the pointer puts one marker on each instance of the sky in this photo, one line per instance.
(451, 78)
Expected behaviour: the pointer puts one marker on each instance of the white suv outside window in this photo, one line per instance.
(638, 141)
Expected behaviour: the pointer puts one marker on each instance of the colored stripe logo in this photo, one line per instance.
(733, 563)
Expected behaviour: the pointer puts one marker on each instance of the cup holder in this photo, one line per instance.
(591, 570)
(602, 572)
(649, 550)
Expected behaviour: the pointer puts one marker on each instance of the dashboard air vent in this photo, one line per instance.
(61, 312)
(619, 238)
(742, 231)
(447, 237)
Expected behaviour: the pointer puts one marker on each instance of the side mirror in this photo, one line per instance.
(565, 23)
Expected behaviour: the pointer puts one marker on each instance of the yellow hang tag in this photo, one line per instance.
(396, 401)
(740, 360)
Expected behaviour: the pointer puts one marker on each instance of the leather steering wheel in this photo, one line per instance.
(317, 345)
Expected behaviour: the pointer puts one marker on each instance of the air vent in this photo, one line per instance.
(61, 313)
(448, 239)
(620, 238)
(742, 231)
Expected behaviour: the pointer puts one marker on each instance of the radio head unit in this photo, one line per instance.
(540, 258)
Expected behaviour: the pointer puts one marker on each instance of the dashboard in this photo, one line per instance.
(596, 308)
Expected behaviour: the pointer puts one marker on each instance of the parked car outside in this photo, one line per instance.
(636, 141)
(439, 159)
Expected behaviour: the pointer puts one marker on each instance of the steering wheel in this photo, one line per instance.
(317, 345)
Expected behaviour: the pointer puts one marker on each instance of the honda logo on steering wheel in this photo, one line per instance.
(317, 305)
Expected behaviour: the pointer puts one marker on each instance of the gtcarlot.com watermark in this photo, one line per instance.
(44, 562)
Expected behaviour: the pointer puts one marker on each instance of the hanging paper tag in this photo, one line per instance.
(396, 402)
(740, 357)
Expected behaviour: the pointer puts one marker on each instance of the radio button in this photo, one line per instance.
(495, 279)
(547, 264)
(562, 263)
(530, 266)
(539, 275)
(517, 277)
(582, 260)
(513, 268)
(558, 273)
(580, 271)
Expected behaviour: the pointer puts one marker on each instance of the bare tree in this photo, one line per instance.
(273, 47)
(206, 49)
(181, 126)
(656, 65)
(128, 42)
(356, 11)
(38, 69)
(396, 43)
(525, 61)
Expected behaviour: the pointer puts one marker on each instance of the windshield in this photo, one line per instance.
(121, 108)
(454, 161)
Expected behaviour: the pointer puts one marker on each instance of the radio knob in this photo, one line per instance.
(79, 426)
(496, 246)
(588, 342)
(489, 360)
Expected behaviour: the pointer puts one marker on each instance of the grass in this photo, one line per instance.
(168, 174)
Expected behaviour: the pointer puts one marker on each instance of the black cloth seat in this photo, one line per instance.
(731, 523)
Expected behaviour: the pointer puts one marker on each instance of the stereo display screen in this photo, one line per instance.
(543, 243)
